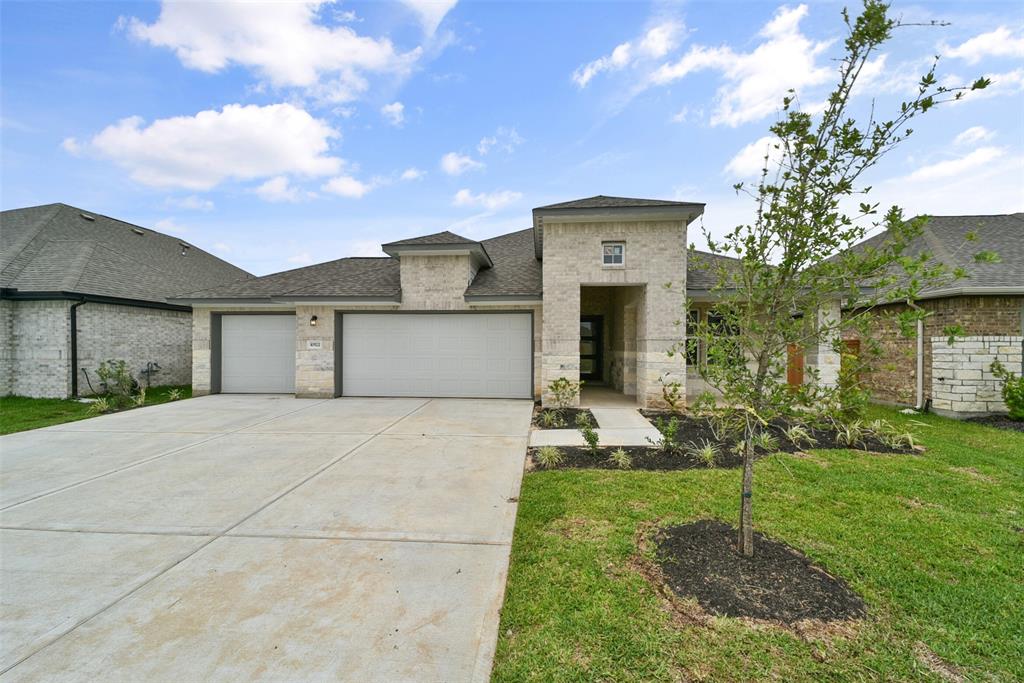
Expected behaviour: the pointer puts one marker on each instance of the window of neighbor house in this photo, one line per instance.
(692, 344)
(614, 253)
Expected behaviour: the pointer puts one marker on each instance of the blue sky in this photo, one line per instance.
(277, 135)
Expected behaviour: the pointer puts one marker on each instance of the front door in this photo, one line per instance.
(591, 348)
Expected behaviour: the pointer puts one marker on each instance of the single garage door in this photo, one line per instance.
(469, 355)
(257, 354)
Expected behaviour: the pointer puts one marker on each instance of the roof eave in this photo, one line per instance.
(474, 249)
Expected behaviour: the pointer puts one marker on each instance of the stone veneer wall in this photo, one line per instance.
(893, 379)
(138, 336)
(35, 349)
(655, 256)
(962, 383)
(435, 282)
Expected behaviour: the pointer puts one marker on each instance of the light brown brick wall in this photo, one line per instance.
(893, 378)
(435, 283)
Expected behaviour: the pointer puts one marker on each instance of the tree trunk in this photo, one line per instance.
(745, 542)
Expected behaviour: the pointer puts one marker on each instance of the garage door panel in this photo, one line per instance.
(258, 354)
(456, 355)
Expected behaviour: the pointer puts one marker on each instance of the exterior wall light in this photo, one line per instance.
(312, 321)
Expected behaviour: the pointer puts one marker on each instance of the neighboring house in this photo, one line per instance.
(77, 288)
(579, 294)
(987, 306)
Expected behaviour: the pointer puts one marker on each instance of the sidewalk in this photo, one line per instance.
(615, 427)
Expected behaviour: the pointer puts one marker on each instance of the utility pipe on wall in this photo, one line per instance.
(920, 365)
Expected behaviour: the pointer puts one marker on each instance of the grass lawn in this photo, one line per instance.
(933, 542)
(18, 414)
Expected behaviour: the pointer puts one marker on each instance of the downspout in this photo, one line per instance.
(73, 322)
(920, 365)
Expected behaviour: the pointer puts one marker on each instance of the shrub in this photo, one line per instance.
(551, 419)
(766, 442)
(669, 430)
(672, 392)
(564, 391)
(621, 459)
(118, 383)
(174, 395)
(706, 451)
(549, 456)
(850, 434)
(1013, 390)
(583, 420)
(799, 435)
(100, 406)
(590, 436)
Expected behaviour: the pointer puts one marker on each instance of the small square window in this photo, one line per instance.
(614, 254)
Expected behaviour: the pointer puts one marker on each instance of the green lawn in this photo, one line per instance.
(18, 414)
(934, 543)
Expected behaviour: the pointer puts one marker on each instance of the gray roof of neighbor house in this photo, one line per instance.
(945, 239)
(444, 237)
(58, 248)
(703, 269)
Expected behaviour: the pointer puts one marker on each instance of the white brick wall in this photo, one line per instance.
(36, 349)
(962, 383)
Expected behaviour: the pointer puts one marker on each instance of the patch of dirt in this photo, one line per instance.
(698, 429)
(567, 416)
(580, 529)
(778, 585)
(975, 474)
(644, 458)
(999, 422)
(937, 665)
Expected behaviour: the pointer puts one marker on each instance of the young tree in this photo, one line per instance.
(793, 261)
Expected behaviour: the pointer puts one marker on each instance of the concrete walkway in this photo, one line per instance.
(260, 538)
(615, 427)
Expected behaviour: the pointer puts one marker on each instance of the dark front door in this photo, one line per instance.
(591, 348)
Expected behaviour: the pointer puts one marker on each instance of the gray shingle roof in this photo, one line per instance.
(604, 202)
(343, 278)
(444, 237)
(516, 270)
(55, 248)
(944, 237)
(702, 269)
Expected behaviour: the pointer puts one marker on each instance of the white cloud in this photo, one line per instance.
(955, 167)
(654, 44)
(1002, 42)
(756, 81)
(972, 135)
(281, 41)
(199, 152)
(412, 173)
(191, 202)
(504, 139)
(681, 115)
(749, 161)
(301, 259)
(348, 186)
(394, 113)
(279, 189)
(454, 163)
(71, 146)
(430, 12)
(170, 226)
(491, 201)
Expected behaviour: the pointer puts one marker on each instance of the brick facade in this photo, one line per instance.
(893, 378)
(35, 356)
(963, 383)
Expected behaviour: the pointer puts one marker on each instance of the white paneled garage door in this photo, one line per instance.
(257, 354)
(471, 355)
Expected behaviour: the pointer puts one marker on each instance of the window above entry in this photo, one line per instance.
(613, 254)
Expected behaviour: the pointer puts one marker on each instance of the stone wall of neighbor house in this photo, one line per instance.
(893, 377)
(655, 255)
(435, 282)
(962, 382)
(138, 336)
(35, 349)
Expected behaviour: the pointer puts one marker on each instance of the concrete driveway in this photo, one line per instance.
(260, 537)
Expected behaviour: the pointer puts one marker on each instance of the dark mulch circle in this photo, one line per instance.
(778, 584)
(697, 429)
(568, 417)
(999, 422)
(643, 458)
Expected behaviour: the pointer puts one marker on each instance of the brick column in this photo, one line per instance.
(561, 355)
(202, 354)
(657, 334)
(314, 352)
(825, 358)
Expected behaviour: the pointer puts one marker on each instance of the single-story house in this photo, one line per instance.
(579, 294)
(926, 370)
(77, 288)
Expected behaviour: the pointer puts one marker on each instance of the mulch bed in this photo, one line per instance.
(568, 417)
(999, 422)
(698, 429)
(643, 458)
(778, 584)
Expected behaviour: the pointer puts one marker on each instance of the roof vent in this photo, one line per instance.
(184, 248)
(138, 231)
(86, 216)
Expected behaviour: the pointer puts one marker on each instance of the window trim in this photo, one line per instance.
(611, 243)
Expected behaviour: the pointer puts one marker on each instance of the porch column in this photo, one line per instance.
(561, 341)
(658, 331)
(824, 358)
(314, 352)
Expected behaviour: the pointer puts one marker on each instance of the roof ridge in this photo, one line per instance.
(80, 260)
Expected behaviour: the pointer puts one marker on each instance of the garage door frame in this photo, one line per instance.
(339, 350)
(217, 346)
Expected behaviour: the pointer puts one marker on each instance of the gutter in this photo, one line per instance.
(920, 365)
(15, 295)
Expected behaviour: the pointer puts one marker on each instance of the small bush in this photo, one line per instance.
(669, 429)
(583, 420)
(672, 393)
(119, 385)
(564, 391)
(1013, 390)
(174, 395)
(621, 459)
(549, 456)
(850, 434)
(590, 436)
(100, 406)
(139, 399)
(766, 442)
(705, 451)
(799, 436)
(551, 419)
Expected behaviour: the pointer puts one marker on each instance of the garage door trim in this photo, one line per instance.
(216, 342)
(339, 350)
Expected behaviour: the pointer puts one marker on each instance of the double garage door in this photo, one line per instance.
(477, 355)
